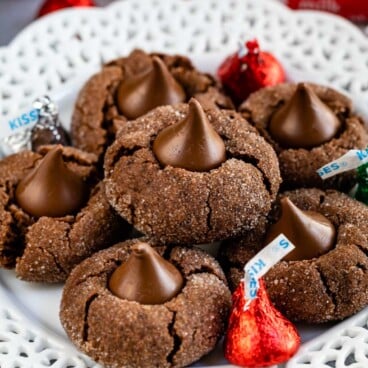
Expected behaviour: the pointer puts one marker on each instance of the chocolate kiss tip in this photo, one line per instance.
(311, 232)
(141, 248)
(304, 89)
(159, 65)
(51, 189)
(146, 277)
(195, 106)
(304, 121)
(192, 143)
(286, 202)
(138, 94)
(302, 85)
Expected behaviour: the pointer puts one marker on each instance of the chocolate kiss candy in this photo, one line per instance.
(304, 121)
(43, 134)
(146, 277)
(51, 189)
(154, 87)
(311, 232)
(192, 143)
(259, 336)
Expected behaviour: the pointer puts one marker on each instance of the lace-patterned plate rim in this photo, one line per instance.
(115, 7)
(26, 343)
(327, 48)
(342, 346)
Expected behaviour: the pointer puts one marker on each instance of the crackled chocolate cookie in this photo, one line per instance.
(135, 306)
(129, 87)
(308, 125)
(326, 277)
(187, 175)
(52, 213)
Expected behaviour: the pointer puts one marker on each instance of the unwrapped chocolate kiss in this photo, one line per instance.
(146, 277)
(51, 188)
(304, 121)
(311, 232)
(154, 87)
(192, 143)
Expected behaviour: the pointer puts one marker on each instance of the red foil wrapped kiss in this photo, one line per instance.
(259, 336)
(50, 6)
(246, 72)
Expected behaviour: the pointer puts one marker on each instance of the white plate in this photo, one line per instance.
(38, 304)
(49, 55)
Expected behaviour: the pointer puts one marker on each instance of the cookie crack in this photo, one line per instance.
(131, 209)
(13, 247)
(56, 262)
(209, 212)
(326, 287)
(247, 115)
(362, 249)
(67, 235)
(249, 159)
(108, 124)
(99, 273)
(133, 219)
(77, 219)
(176, 338)
(203, 269)
(220, 105)
(123, 151)
(78, 161)
(7, 255)
(361, 266)
(322, 199)
(87, 308)
(167, 252)
(227, 264)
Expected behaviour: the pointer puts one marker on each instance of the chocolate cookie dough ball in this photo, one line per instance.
(52, 213)
(182, 174)
(134, 306)
(129, 87)
(326, 277)
(308, 125)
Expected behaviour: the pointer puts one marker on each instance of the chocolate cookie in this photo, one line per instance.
(125, 333)
(103, 98)
(330, 130)
(178, 205)
(330, 287)
(44, 235)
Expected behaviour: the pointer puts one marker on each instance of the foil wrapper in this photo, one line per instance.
(48, 129)
(15, 143)
(362, 189)
(38, 126)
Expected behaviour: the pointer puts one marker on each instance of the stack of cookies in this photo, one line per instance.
(162, 162)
